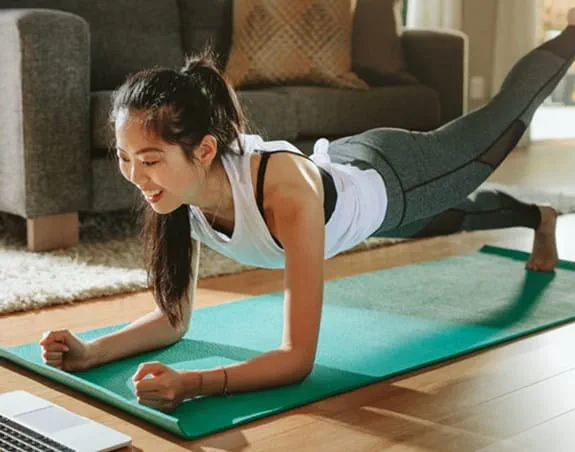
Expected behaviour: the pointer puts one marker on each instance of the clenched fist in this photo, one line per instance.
(66, 351)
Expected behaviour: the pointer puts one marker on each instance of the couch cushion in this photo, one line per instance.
(377, 53)
(110, 190)
(324, 111)
(276, 42)
(101, 129)
(270, 114)
(126, 35)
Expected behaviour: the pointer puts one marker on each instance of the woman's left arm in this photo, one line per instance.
(301, 230)
(297, 210)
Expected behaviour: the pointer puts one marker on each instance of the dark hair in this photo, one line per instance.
(181, 108)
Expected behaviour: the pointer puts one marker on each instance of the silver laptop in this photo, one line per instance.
(28, 422)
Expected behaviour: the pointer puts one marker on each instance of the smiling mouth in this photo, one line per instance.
(153, 197)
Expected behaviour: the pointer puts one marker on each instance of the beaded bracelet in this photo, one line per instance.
(225, 382)
(201, 384)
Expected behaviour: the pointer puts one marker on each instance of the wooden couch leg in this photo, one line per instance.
(52, 232)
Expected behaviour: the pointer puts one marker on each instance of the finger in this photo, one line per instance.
(147, 391)
(154, 403)
(147, 384)
(156, 398)
(57, 364)
(46, 338)
(54, 363)
(57, 347)
(144, 369)
(52, 356)
(163, 407)
(52, 359)
(54, 336)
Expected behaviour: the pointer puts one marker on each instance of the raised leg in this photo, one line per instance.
(437, 170)
(492, 210)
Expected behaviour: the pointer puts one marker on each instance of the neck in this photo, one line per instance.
(217, 199)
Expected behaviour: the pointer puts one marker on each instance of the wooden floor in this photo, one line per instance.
(518, 396)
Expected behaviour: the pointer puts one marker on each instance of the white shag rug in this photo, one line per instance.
(109, 259)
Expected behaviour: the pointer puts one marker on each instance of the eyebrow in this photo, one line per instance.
(142, 151)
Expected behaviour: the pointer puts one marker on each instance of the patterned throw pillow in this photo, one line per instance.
(292, 42)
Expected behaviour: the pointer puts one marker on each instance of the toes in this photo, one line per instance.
(546, 266)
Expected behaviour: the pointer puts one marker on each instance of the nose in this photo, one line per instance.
(136, 175)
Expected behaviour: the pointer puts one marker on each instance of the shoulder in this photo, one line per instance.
(292, 192)
(291, 180)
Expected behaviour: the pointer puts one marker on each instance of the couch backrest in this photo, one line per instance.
(126, 35)
(207, 22)
(131, 35)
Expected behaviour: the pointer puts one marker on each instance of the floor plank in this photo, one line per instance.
(519, 410)
(555, 434)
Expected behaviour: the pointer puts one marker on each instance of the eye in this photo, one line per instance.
(148, 163)
(119, 157)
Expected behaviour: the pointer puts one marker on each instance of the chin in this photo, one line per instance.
(164, 209)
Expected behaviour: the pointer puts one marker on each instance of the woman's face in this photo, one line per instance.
(160, 170)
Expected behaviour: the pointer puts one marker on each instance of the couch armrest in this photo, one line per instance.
(45, 114)
(439, 59)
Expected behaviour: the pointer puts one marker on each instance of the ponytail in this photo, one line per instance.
(183, 106)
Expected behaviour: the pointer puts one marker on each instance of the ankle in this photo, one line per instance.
(548, 217)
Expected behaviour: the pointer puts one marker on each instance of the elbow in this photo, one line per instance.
(178, 333)
(300, 365)
(173, 340)
(303, 367)
(304, 372)
(181, 328)
(181, 331)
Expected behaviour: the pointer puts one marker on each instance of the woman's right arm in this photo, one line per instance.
(150, 331)
(65, 350)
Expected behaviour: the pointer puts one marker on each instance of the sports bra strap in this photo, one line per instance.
(330, 192)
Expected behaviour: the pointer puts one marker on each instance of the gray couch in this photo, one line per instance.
(61, 59)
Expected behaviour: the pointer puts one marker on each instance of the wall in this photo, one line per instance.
(479, 24)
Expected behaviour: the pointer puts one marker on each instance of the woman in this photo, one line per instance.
(179, 140)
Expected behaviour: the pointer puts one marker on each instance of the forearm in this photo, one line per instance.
(149, 332)
(275, 368)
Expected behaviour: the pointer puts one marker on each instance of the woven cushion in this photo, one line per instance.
(292, 42)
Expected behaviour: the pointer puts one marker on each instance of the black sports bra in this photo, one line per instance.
(330, 192)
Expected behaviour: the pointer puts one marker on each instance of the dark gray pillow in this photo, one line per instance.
(377, 53)
(207, 22)
(126, 35)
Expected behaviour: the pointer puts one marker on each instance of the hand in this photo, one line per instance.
(165, 391)
(64, 350)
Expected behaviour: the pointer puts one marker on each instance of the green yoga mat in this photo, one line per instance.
(374, 325)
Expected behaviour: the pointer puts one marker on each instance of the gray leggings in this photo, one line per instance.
(429, 176)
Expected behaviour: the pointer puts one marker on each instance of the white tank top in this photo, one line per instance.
(359, 210)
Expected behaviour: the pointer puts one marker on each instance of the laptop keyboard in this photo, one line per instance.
(15, 437)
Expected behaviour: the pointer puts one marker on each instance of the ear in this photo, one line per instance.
(207, 149)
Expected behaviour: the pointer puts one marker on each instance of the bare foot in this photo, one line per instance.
(571, 16)
(544, 255)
